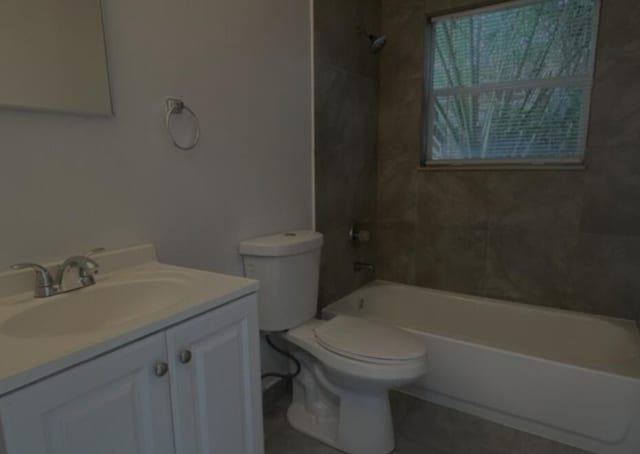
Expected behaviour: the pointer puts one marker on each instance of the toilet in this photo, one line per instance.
(341, 396)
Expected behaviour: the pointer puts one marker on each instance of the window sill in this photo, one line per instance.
(500, 167)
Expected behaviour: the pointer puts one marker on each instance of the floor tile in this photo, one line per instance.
(525, 443)
(421, 428)
(289, 441)
(404, 446)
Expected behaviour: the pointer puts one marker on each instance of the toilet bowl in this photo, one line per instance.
(348, 365)
(341, 396)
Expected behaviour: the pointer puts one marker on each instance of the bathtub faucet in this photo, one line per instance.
(362, 266)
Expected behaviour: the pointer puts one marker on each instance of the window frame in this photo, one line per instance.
(427, 163)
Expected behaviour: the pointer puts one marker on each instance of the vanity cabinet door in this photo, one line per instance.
(116, 403)
(216, 389)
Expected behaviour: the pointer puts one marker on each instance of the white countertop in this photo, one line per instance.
(24, 360)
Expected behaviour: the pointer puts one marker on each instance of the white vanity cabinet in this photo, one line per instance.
(193, 388)
(216, 387)
(114, 403)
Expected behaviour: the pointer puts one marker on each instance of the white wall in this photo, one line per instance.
(69, 183)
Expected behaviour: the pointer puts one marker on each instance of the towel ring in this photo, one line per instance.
(177, 106)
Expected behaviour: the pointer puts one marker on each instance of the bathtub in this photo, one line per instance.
(566, 376)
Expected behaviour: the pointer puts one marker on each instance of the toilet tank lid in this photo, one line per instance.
(282, 244)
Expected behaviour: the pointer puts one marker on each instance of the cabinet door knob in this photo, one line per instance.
(185, 356)
(161, 368)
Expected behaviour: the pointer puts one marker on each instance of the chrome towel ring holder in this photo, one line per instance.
(177, 106)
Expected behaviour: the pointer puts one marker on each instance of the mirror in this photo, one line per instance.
(52, 56)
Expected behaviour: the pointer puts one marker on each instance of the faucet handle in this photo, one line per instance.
(44, 281)
(358, 235)
(90, 267)
(97, 250)
(34, 266)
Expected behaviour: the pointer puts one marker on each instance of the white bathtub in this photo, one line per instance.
(570, 377)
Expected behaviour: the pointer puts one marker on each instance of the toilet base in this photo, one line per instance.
(352, 422)
(323, 429)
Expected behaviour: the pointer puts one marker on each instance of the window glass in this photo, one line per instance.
(511, 83)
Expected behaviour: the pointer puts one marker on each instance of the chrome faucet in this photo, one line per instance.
(87, 269)
(362, 266)
(47, 286)
(44, 282)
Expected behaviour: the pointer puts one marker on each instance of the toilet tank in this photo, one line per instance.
(288, 268)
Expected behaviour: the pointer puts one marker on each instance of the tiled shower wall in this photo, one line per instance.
(346, 112)
(567, 239)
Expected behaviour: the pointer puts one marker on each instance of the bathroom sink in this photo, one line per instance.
(94, 308)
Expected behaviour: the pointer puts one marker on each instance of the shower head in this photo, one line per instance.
(376, 42)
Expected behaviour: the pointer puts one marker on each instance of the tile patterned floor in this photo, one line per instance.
(421, 428)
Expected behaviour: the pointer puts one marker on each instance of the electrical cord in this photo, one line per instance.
(288, 355)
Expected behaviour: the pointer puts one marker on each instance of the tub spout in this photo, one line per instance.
(362, 266)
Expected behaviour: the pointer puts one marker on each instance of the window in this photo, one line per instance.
(510, 84)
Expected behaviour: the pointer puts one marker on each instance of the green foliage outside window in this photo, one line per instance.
(511, 82)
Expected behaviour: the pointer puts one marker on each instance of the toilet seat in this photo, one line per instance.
(369, 341)
(304, 337)
(341, 395)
